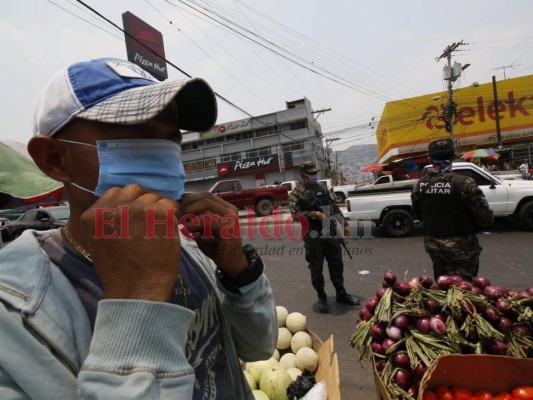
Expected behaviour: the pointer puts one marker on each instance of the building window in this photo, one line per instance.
(199, 165)
(298, 125)
(230, 157)
(269, 130)
(262, 152)
(247, 135)
(289, 147)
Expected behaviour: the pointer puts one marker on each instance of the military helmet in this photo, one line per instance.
(308, 168)
(441, 149)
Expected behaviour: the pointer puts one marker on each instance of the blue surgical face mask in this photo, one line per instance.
(153, 164)
(313, 178)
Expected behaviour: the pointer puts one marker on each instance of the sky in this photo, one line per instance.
(349, 56)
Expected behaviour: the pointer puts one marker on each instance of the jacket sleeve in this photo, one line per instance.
(475, 200)
(252, 318)
(138, 352)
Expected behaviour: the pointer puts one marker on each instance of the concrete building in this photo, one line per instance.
(257, 150)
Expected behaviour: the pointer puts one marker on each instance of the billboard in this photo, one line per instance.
(249, 166)
(407, 126)
(140, 39)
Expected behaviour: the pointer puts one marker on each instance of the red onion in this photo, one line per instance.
(426, 281)
(523, 330)
(419, 370)
(399, 299)
(401, 321)
(523, 294)
(423, 325)
(493, 292)
(464, 285)
(505, 324)
(394, 332)
(377, 348)
(432, 306)
(530, 291)
(441, 317)
(497, 347)
(380, 293)
(503, 306)
(512, 293)
(401, 360)
(364, 314)
(414, 282)
(402, 379)
(413, 390)
(477, 291)
(371, 304)
(492, 315)
(481, 282)
(387, 342)
(377, 332)
(380, 364)
(402, 288)
(456, 279)
(444, 282)
(390, 278)
(437, 326)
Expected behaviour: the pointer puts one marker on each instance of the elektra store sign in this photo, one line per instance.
(249, 166)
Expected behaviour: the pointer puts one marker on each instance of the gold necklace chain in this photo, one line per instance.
(87, 255)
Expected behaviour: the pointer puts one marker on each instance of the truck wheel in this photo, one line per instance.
(264, 207)
(525, 216)
(340, 197)
(397, 223)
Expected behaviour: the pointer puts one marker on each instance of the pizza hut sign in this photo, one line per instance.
(232, 126)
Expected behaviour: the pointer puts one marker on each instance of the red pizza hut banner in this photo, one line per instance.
(249, 166)
(149, 37)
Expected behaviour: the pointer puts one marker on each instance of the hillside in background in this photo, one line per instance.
(353, 159)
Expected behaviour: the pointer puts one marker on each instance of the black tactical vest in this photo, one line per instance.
(442, 206)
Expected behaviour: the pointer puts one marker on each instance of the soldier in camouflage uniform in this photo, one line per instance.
(322, 239)
(452, 209)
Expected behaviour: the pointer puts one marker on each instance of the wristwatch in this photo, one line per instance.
(250, 274)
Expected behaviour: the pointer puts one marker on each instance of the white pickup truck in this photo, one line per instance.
(388, 182)
(392, 211)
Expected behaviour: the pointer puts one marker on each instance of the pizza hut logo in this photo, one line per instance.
(223, 169)
(222, 129)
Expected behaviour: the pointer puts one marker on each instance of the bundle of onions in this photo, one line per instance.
(409, 324)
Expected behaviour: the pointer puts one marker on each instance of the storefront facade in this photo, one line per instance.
(257, 150)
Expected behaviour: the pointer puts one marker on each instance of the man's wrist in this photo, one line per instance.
(250, 274)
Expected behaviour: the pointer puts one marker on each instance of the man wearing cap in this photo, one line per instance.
(121, 303)
(452, 208)
(322, 240)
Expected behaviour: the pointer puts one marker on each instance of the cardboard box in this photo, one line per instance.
(328, 365)
(476, 372)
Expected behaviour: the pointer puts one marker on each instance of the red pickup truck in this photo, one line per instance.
(262, 199)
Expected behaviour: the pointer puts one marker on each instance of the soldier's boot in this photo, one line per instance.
(322, 301)
(344, 298)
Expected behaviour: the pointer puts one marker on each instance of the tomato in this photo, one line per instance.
(503, 396)
(429, 395)
(461, 393)
(483, 395)
(443, 393)
(523, 392)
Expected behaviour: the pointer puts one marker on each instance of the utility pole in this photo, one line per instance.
(497, 112)
(328, 142)
(451, 73)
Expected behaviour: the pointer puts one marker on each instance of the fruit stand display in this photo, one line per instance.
(408, 326)
(300, 361)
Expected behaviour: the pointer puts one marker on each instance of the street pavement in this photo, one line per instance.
(506, 259)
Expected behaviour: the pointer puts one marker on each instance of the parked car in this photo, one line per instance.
(40, 219)
(262, 199)
(4, 228)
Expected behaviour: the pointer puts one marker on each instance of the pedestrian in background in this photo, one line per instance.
(112, 306)
(452, 208)
(322, 240)
(524, 170)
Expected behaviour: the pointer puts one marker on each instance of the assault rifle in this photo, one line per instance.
(333, 226)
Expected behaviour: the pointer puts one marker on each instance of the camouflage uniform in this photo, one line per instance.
(457, 251)
(320, 242)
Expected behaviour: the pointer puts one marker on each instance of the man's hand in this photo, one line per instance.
(135, 254)
(214, 224)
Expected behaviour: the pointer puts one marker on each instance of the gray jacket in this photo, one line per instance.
(47, 350)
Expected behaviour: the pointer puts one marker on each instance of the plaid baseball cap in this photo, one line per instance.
(119, 92)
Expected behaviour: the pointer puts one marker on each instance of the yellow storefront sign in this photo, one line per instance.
(407, 126)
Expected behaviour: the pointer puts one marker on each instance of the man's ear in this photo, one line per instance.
(49, 155)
